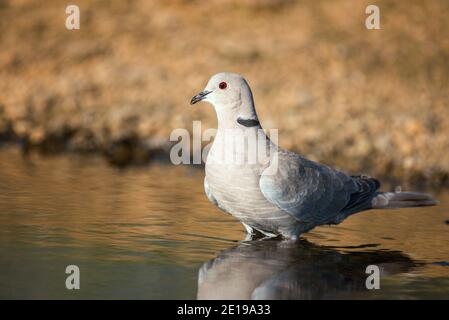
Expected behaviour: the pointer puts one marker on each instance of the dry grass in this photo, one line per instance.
(372, 101)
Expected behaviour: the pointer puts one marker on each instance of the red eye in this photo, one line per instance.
(222, 85)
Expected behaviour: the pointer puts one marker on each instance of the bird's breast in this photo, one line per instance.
(236, 189)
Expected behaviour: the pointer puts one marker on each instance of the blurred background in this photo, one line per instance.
(366, 101)
(371, 101)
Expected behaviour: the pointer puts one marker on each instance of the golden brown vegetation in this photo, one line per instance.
(372, 101)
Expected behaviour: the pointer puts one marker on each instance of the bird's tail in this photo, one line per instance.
(385, 200)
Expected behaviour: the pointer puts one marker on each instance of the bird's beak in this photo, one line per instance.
(200, 96)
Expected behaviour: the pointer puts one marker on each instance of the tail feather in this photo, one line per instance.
(385, 200)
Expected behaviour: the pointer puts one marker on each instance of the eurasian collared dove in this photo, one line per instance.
(282, 193)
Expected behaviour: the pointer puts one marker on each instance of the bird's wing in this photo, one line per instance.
(314, 193)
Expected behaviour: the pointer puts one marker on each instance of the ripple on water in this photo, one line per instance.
(146, 232)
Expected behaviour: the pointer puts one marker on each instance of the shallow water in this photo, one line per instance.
(150, 233)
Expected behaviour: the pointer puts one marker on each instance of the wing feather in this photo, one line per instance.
(314, 193)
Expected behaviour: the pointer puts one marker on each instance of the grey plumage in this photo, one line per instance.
(296, 197)
(270, 269)
(317, 194)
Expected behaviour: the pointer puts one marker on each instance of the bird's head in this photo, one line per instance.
(231, 97)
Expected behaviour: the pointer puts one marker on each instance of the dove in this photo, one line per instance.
(280, 193)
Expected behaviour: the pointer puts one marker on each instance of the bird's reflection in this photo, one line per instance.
(272, 269)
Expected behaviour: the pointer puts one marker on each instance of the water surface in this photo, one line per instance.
(150, 233)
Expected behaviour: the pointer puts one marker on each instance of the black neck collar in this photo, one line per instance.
(248, 122)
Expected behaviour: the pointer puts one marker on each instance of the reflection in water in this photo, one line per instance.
(144, 232)
(271, 269)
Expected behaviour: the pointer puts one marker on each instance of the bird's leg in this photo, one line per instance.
(249, 229)
(249, 237)
(251, 233)
(256, 234)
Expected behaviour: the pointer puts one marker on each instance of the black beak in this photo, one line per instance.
(200, 96)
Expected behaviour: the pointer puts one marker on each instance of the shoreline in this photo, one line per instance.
(127, 154)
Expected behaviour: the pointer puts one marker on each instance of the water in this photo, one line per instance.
(150, 233)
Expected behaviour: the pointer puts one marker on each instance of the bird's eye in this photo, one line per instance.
(222, 85)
